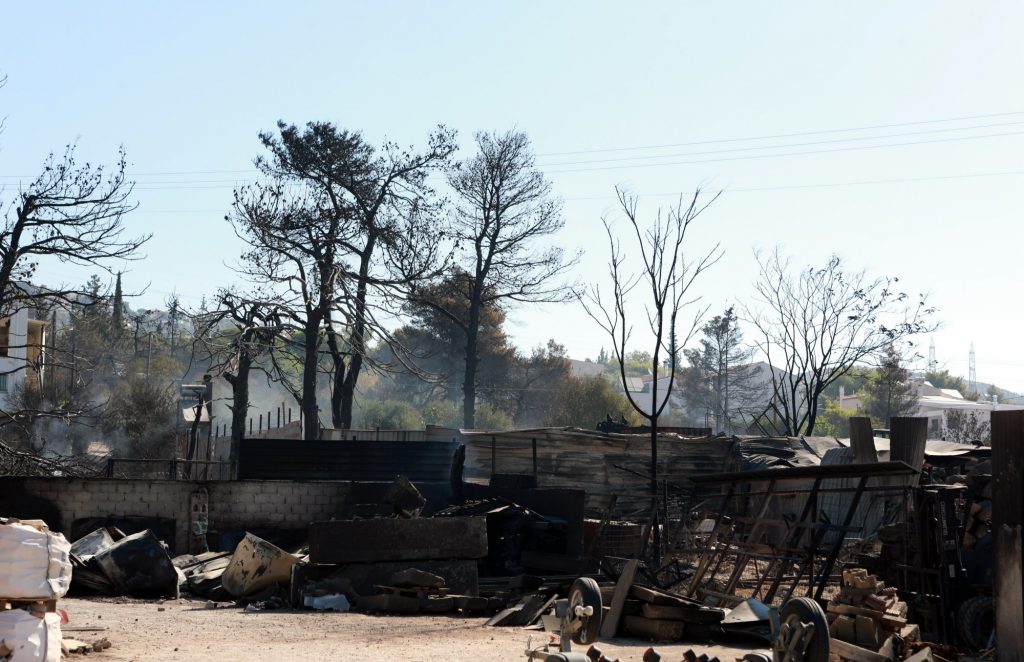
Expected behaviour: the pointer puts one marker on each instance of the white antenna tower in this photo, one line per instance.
(972, 373)
(933, 365)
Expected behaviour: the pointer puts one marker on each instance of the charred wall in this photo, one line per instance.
(233, 505)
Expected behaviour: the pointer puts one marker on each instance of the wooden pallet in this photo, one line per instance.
(49, 606)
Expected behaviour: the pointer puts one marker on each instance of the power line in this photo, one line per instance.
(189, 186)
(786, 146)
(786, 135)
(213, 185)
(670, 145)
(805, 153)
(754, 189)
(748, 189)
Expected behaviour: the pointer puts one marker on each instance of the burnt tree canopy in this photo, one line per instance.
(235, 336)
(816, 324)
(504, 217)
(71, 213)
(662, 284)
(335, 225)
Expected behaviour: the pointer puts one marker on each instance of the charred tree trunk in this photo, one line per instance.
(472, 359)
(357, 339)
(338, 383)
(239, 404)
(348, 390)
(308, 404)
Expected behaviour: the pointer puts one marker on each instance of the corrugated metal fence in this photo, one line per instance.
(370, 460)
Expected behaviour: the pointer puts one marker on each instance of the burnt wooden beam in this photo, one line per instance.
(908, 436)
(1007, 522)
(862, 440)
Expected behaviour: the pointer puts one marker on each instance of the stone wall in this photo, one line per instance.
(249, 504)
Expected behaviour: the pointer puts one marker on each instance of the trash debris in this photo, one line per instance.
(336, 602)
(256, 565)
(203, 574)
(405, 498)
(139, 566)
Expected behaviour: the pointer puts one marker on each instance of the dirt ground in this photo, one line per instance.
(186, 630)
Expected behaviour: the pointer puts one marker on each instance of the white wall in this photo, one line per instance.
(14, 362)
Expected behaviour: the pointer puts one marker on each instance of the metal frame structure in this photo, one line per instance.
(811, 543)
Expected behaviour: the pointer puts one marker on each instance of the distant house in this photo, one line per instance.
(582, 369)
(23, 340)
(641, 391)
(936, 404)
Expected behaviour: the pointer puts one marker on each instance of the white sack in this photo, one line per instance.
(30, 639)
(34, 565)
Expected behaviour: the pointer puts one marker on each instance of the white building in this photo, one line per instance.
(936, 404)
(22, 353)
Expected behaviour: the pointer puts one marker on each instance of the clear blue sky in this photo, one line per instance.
(186, 87)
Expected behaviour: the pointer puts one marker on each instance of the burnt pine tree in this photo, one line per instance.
(233, 336)
(720, 377)
(70, 212)
(336, 222)
(505, 215)
(662, 286)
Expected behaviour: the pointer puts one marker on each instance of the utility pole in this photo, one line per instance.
(972, 372)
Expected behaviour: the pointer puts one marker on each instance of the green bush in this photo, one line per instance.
(834, 421)
(389, 415)
(444, 413)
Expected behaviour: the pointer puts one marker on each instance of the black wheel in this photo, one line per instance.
(976, 620)
(585, 593)
(806, 610)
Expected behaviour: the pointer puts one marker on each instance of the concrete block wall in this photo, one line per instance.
(78, 498)
(232, 504)
(275, 503)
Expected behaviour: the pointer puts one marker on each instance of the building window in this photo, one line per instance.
(3, 383)
(5, 336)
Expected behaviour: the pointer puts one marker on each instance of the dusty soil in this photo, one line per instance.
(186, 630)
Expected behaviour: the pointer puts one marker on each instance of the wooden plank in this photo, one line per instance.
(536, 612)
(925, 655)
(862, 440)
(888, 620)
(610, 625)
(355, 541)
(1008, 531)
(908, 436)
(654, 629)
(869, 632)
(848, 651)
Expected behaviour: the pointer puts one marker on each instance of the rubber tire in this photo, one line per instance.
(807, 610)
(976, 620)
(586, 592)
